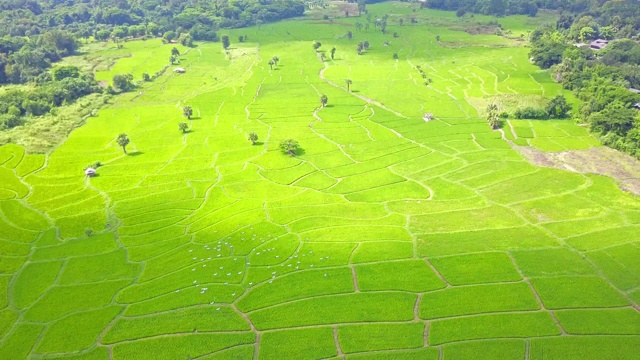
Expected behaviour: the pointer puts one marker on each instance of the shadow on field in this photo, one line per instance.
(258, 143)
(195, 118)
(135, 153)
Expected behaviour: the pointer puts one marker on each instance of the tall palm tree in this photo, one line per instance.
(348, 82)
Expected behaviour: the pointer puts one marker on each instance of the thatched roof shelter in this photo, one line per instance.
(90, 172)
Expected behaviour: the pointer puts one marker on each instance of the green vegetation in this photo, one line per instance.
(602, 69)
(403, 226)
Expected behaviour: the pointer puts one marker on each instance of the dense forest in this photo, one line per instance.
(511, 7)
(597, 55)
(36, 33)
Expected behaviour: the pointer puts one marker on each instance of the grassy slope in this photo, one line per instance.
(381, 218)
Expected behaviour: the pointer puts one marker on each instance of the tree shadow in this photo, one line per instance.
(195, 118)
(257, 143)
(355, 91)
(297, 152)
(135, 153)
(329, 105)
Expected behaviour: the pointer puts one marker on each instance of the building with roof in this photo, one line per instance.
(598, 44)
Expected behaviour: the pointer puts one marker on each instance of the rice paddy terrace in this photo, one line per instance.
(386, 237)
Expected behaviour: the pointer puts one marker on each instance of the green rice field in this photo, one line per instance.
(385, 237)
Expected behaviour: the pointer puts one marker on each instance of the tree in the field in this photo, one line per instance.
(123, 141)
(289, 146)
(253, 137)
(358, 25)
(174, 60)
(438, 38)
(276, 60)
(365, 44)
(348, 82)
(146, 77)
(322, 57)
(401, 22)
(225, 41)
(493, 119)
(333, 52)
(349, 35)
(123, 82)
(558, 107)
(324, 100)
(186, 40)
(187, 111)
(175, 51)
(271, 63)
(316, 45)
(395, 56)
(183, 127)
(362, 6)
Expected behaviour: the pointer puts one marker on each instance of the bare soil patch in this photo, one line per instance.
(598, 160)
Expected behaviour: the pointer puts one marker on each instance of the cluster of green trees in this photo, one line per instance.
(122, 18)
(16, 104)
(557, 108)
(605, 80)
(24, 59)
(624, 9)
(492, 7)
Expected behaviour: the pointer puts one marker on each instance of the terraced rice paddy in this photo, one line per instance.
(387, 237)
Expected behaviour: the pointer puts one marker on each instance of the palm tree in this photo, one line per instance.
(271, 63)
(184, 127)
(333, 52)
(187, 111)
(276, 60)
(348, 82)
(123, 141)
(324, 100)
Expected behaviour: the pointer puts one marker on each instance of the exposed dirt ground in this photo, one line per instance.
(599, 160)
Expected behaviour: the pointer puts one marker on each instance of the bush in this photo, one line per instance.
(530, 113)
(35, 108)
(10, 121)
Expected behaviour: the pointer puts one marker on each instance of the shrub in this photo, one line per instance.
(530, 113)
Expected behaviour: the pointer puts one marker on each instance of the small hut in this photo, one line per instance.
(598, 44)
(427, 117)
(637, 106)
(179, 70)
(90, 172)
